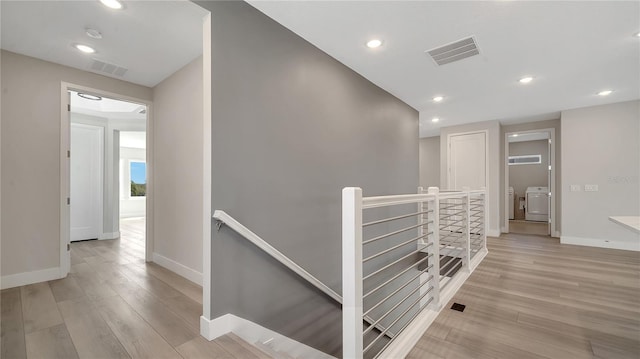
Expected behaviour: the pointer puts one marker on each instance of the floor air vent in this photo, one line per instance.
(105, 67)
(455, 51)
(459, 307)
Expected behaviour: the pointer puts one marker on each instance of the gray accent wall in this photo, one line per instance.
(601, 146)
(430, 162)
(291, 126)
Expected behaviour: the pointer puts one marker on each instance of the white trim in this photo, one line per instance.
(178, 268)
(258, 335)
(26, 278)
(493, 232)
(109, 235)
(600, 243)
(207, 209)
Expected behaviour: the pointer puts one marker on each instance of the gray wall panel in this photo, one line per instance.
(291, 127)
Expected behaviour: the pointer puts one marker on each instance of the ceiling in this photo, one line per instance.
(152, 39)
(573, 49)
(108, 108)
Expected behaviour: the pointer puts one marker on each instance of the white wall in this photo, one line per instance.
(601, 146)
(429, 162)
(494, 161)
(30, 110)
(130, 206)
(178, 171)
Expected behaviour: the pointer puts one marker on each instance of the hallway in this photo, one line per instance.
(111, 305)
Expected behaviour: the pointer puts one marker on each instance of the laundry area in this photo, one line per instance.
(529, 178)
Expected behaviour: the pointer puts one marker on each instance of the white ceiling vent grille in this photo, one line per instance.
(455, 51)
(107, 68)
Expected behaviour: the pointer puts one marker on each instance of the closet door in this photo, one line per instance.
(467, 161)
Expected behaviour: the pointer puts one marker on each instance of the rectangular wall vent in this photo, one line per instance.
(455, 51)
(107, 68)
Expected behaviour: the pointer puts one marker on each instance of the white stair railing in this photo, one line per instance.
(397, 264)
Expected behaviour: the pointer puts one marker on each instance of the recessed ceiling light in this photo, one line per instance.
(514, 135)
(93, 33)
(372, 44)
(525, 80)
(435, 119)
(605, 92)
(113, 4)
(89, 97)
(84, 48)
(637, 34)
(438, 99)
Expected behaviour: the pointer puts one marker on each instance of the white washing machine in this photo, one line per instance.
(511, 211)
(537, 204)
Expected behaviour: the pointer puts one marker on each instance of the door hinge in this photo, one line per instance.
(68, 154)
(68, 200)
(69, 107)
(68, 247)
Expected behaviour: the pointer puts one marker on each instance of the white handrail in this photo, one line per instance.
(225, 218)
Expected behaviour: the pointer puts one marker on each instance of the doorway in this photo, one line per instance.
(530, 182)
(97, 194)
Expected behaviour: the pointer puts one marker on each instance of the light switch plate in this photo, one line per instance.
(591, 188)
(575, 188)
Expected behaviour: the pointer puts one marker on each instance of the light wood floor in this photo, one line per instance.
(111, 305)
(528, 227)
(534, 298)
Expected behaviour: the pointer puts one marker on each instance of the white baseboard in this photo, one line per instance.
(556, 234)
(601, 243)
(107, 235)
(257, 334)
(493, 233)
(26, 278)
(178, 268)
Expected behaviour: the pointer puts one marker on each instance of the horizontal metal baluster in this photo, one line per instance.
(459, 213)
(391, 234)
(397, 275)
(395, 247)
(395, 321)
(394, 218)
(452, 223)
(397, 261)
(399, 289)
(364, 332)
(449, 206)
(402, 329)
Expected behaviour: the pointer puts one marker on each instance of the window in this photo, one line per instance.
(525, 160)
(138, 177)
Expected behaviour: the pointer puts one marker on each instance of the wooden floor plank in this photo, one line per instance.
(90, 334)
(51, 343)
(12, 344)
(134, 333)
(39, 309)
(65, 289)
(201, 348)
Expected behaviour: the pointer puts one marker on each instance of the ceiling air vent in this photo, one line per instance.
(455, 51)
(107, 68)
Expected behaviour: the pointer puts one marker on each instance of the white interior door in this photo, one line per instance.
(87, 155)
(467, 161)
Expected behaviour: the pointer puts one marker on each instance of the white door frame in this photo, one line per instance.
(552, 182)
(65, 128)
(486, 157)
(100, 178)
